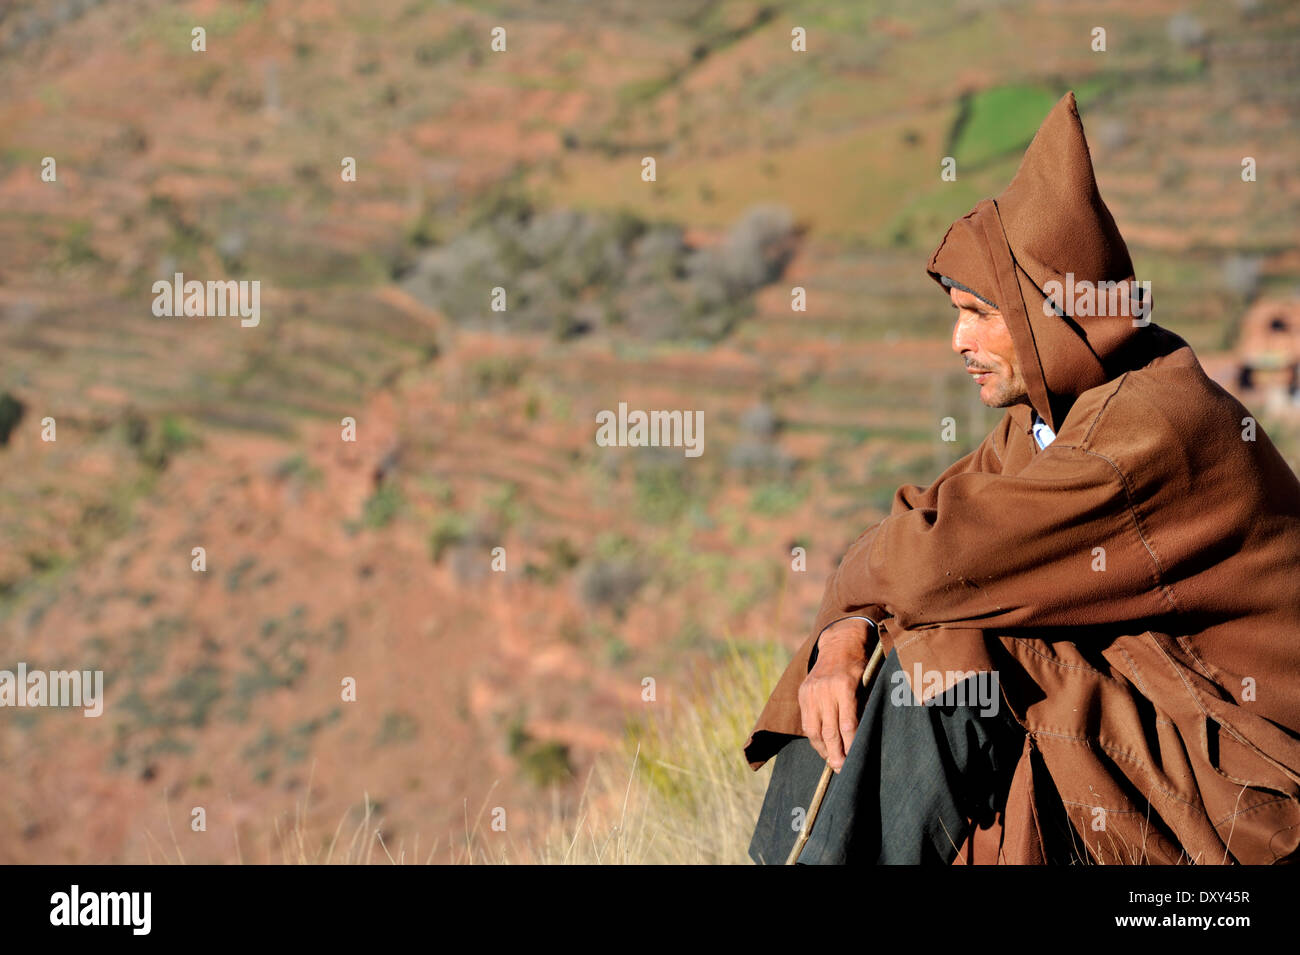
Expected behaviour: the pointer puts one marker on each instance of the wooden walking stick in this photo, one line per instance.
(868, 676)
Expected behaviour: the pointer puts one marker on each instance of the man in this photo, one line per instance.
(1122, 552)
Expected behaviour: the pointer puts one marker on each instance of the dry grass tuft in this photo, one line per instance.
(678, 793)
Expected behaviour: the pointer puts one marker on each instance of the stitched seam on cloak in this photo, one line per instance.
(1128, 492)
(907, 643)
(1137, 675)
(1075, 666)
(1107, 749)
(1116, 755)
(1097, 417)
(1058, 663)
(922, 632)
(1141, 685)
(1191, 692)
(1248, 783)
(1137, 524)
(1207, 715)
(1111, 750)
(1129, 758)
(1258, 805)
(1204, 667)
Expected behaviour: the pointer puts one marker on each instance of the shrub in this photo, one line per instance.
(544, 762)
(612, 575)
(382, 506)
(449, 529)
(11, 412)
(572, 272)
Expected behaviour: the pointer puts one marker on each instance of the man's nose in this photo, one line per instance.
(962, 339)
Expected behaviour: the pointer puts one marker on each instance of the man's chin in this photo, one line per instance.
(999, 399)
(1003, 400)
(990, 399)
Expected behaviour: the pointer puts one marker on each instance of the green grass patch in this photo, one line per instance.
(382, 507)
(543, 762)
(448, 530)
(773, 500)
(998, 121)
(397, 727)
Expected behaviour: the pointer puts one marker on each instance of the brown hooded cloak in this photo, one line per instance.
(1135, 584)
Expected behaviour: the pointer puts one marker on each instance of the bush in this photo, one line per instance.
(775, 499)
(544, 762)
(612, 575)
(610, 583)
(382, 506)
(398, 727)
(448, 530)
(156, 444)
(560, 558)
(572, 272)
(11, 412)
(488, 375)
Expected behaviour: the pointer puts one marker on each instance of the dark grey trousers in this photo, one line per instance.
(913, 778)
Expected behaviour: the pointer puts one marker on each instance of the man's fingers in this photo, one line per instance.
(828, 709)
(812, 723)
(830, 732)
(828, 697)
(848, 713)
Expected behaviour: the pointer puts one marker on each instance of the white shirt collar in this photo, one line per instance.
(1042, 433)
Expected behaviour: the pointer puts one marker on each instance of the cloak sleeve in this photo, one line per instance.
(1057, 544)
(836, 603)
(850, 593)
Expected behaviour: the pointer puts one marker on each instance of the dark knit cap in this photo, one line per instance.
(951, 284)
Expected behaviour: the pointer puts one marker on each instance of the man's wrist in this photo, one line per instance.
(856, 625)
(848, 636)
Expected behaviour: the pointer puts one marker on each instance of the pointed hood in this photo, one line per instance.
(1051, 226)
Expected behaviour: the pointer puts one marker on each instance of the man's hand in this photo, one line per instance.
(828, 697)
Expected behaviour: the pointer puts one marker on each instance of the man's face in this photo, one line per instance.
(982, 338)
